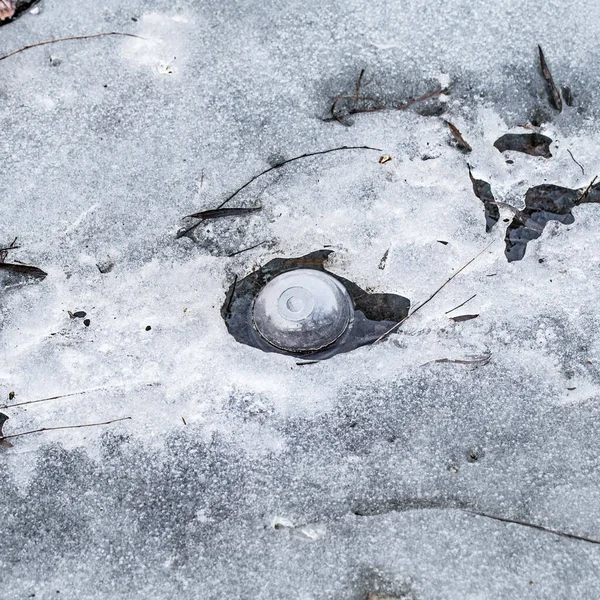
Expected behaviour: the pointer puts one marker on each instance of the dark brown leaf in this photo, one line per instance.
(534, 144)
(460, 140)
(555, 98)
(483, 190)
(23, 269)
(567, 95)
(544, 203)
(383, 260)
(219, 213)
(461, 318)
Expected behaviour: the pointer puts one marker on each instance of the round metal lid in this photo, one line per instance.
(302, 310)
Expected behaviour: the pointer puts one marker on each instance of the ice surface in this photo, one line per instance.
(329, 480)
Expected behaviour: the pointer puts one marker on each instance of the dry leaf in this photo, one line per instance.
(385, 158)
(460, 140)
(554, 93)
(7, 9)
(24, 269)
(218, 213)
(483, 190)
(460, 318)
(534, 144)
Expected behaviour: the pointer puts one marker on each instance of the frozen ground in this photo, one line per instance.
(325, 481)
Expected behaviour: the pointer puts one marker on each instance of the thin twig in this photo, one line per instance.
(420, 306)
(586, 191)
(98, 389)
(289, 160)
(4, 251)
(246, 249)
(382, 107)
(576, 162)
(453, 309)
(66, 39)
(277, 166)
(14, 435)
(533, 526)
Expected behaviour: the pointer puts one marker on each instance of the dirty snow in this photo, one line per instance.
(329, 480)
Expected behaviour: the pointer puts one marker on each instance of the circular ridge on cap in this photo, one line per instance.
(303, 310)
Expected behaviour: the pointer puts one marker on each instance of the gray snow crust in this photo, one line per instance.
(327, 481)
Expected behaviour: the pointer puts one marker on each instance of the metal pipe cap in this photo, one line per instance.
(302, 311)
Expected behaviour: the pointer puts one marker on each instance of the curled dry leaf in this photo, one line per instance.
(555, 97)
(460, 140)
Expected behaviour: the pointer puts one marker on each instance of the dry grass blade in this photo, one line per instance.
(460, 140)
(246, 249)
(42, 429)
(460, 305)
(576, 162)
(534, 526)
(66, 39)
(554, 93)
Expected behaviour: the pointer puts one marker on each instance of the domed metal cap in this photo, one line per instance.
(302, 311)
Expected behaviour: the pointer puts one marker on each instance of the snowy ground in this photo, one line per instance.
(325, 481)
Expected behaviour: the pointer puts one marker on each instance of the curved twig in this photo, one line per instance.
(66, 39)
(276, 166)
